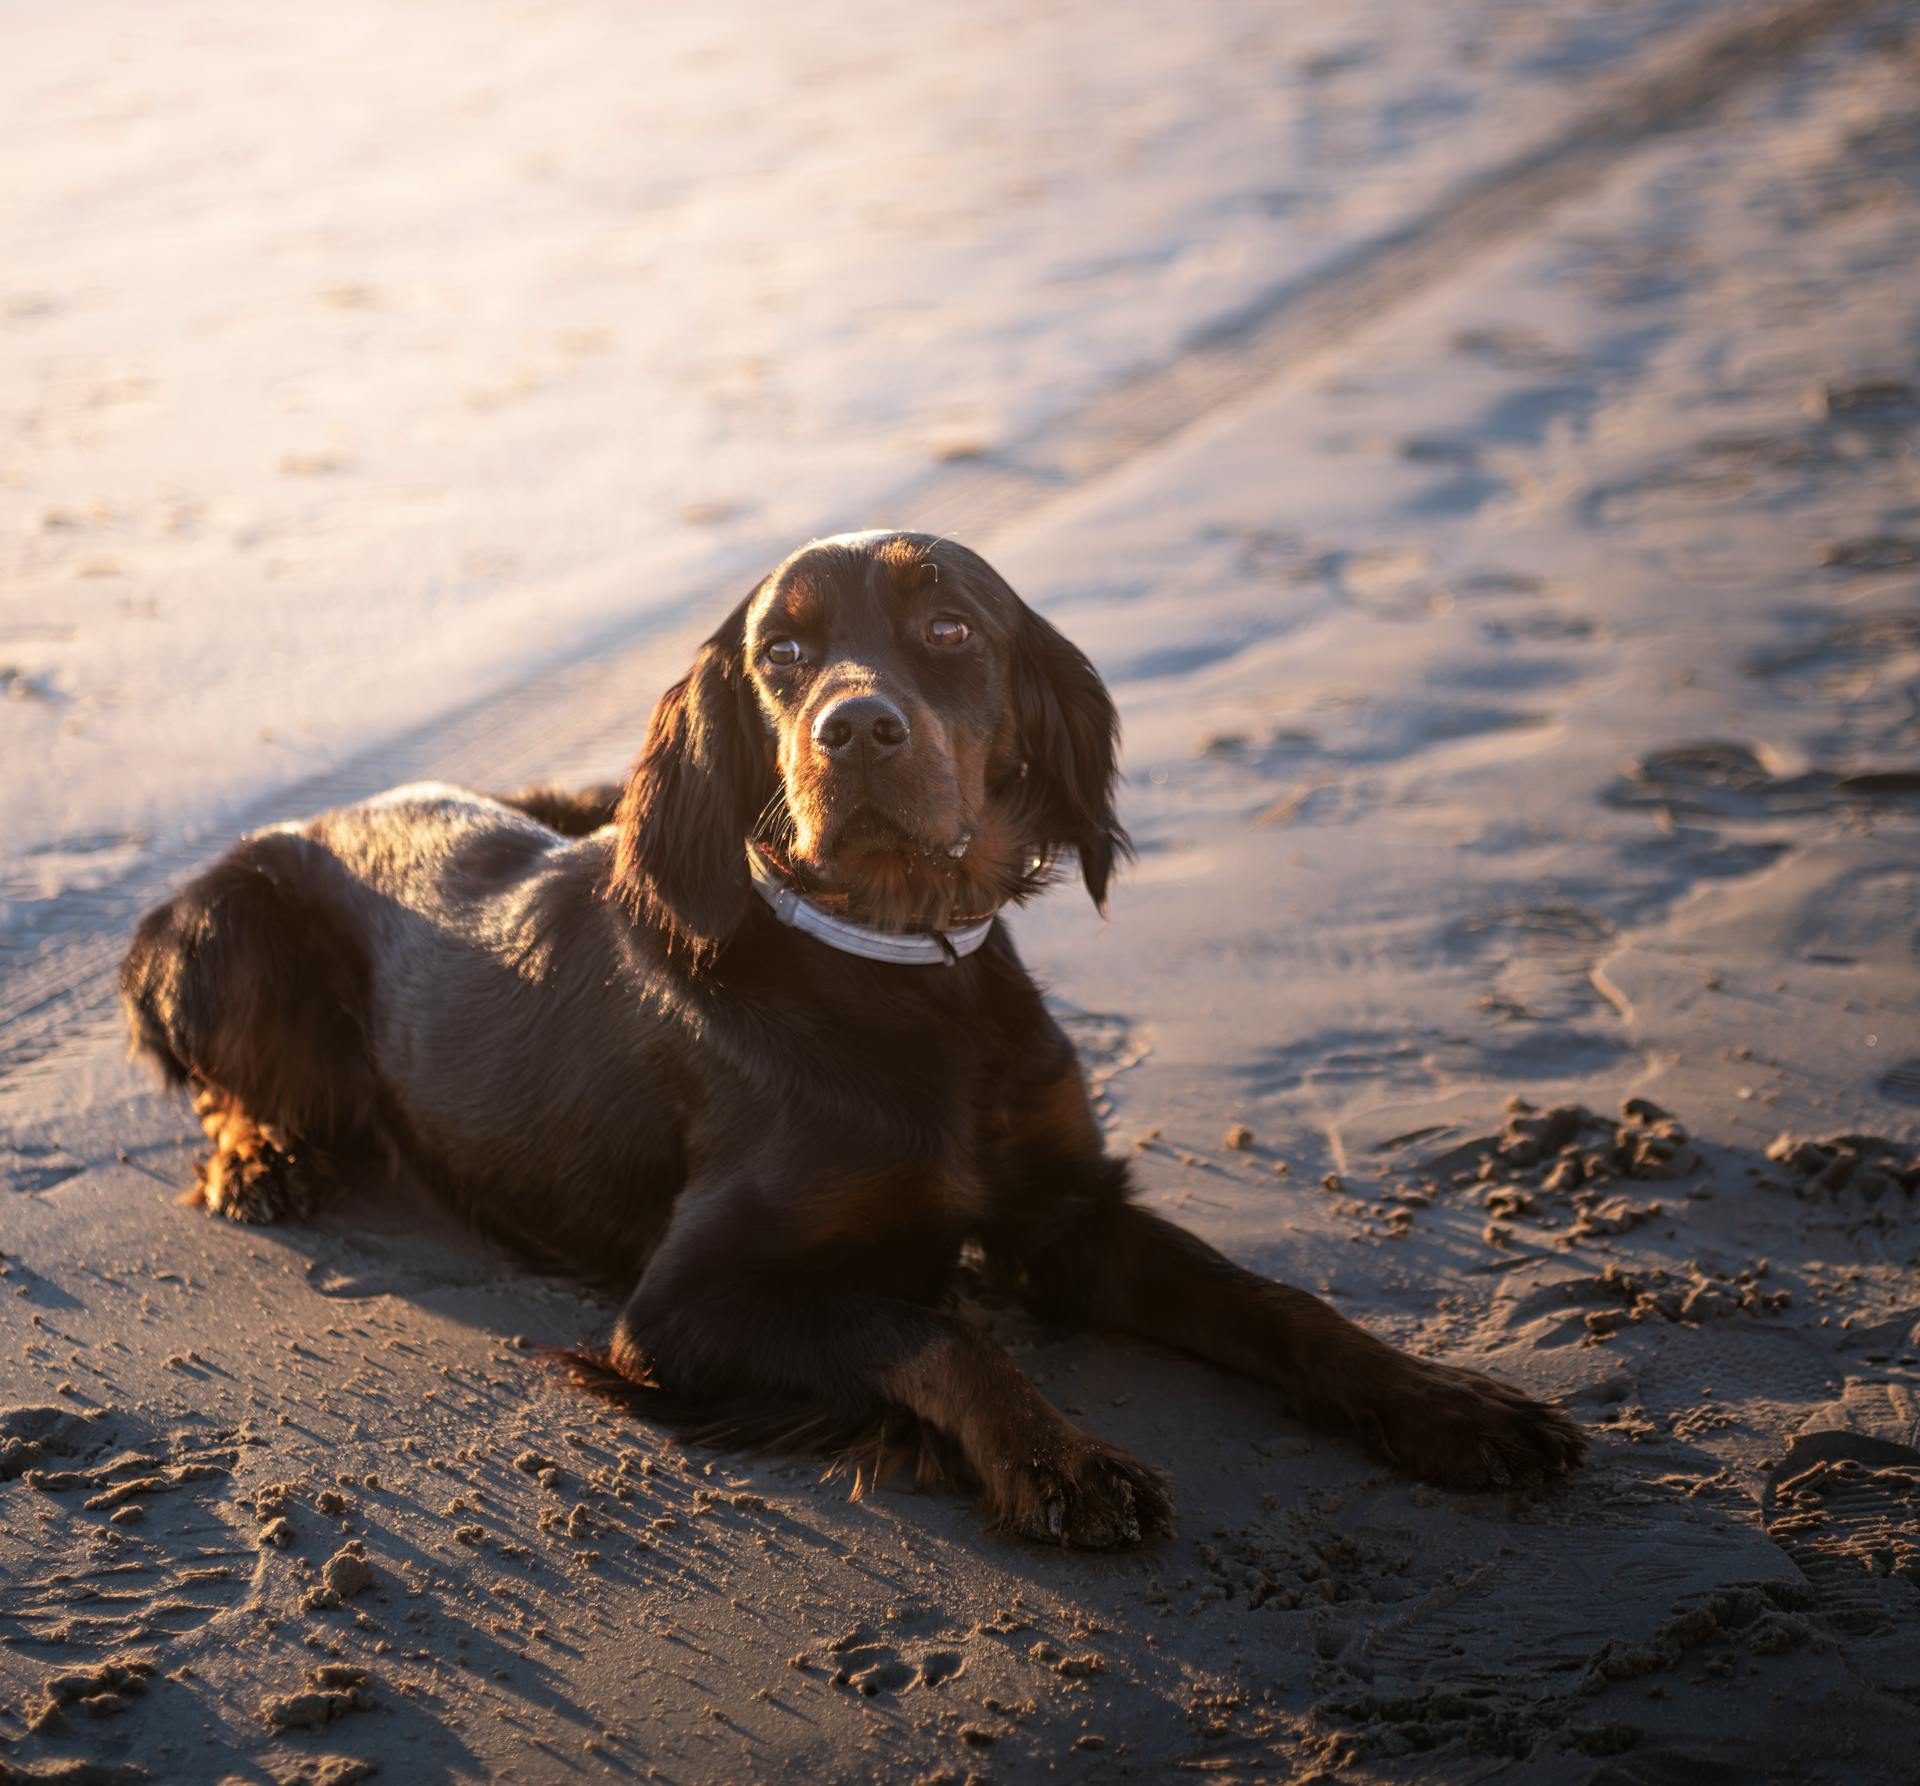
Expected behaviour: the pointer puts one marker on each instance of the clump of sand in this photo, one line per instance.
(99, 1690)
(1546, 1166)
(1687, 1298)
(31, 1435)
(337, 1691)
(344, 1574)
(1865, 1166)
(1570, 1148)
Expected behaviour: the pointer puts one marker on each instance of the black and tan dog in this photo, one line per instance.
(756, 1044)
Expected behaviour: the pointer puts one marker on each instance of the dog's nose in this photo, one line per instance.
(858, 725)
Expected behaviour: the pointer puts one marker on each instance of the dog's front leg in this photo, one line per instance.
(724, 1331)
(1067, 1239)
(1120, 1266)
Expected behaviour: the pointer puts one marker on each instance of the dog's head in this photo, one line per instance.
(894, 727)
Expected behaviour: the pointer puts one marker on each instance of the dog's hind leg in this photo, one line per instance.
(250, 988)
(255, 1171)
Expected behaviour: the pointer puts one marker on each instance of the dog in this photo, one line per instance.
(750, 1038)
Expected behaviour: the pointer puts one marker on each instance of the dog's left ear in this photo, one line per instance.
(702, 778)
(1069, 736)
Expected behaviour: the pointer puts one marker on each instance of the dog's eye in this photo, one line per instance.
(945, 630)
(782, 653)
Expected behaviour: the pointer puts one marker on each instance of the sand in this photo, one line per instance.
(1517, 662)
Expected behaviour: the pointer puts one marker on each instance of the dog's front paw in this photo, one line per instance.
(1460, 1429)
(1078, 1491)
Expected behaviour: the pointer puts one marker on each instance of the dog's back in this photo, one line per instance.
(389, 972)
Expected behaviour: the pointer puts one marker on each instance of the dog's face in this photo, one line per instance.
(886, 690)
(893, 726)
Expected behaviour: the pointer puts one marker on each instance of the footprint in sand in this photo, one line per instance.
(1872, 404)
(1547, 624)
(1337, 1058)
(1419, 1059)
(1883, 642)
(1846, 1508)
(1536, 961)
(1871, 555)
(872, 1667)
(1489, 585)
(145, 1540)
(1721, 778)
(1557, 929)
(1766, 469)
(1465, 484)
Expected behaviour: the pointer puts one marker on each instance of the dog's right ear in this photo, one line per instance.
(702, 778)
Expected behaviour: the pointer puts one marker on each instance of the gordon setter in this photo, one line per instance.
(750, 1037)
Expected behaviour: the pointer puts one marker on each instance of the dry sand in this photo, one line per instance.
(1521, 724)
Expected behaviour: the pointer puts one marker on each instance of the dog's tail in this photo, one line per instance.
(561, 809)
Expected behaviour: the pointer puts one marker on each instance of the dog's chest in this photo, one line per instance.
(929, 1198)
(875, 1113)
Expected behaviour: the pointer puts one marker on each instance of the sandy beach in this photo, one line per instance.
(1481, 452)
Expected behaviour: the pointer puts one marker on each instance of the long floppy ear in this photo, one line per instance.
(1069, 735)
(701, 779)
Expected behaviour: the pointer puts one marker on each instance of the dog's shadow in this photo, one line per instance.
(384, 1236)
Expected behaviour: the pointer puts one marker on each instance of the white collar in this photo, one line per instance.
(942, 948)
